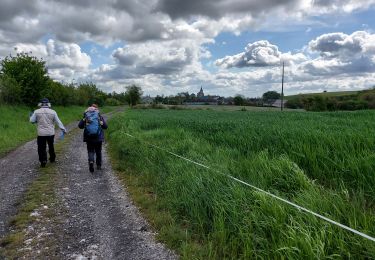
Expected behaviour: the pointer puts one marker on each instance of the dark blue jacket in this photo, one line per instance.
(99, 138)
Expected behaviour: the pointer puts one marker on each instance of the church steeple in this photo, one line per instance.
(200, 93)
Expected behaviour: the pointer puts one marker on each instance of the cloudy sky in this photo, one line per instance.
(168, 46)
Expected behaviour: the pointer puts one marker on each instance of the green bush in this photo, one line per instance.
(10, 91)
(295, 103)
(362, 100)
(315, 103)
(352, 105)
(369, 97)
(112, 102)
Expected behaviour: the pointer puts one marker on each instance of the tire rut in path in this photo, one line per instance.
(101, 220)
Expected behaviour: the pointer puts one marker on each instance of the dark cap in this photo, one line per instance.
(44, 100)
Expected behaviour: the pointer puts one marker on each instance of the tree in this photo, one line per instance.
(58, 94)
(239, 100)
(10, 91)
(29, 73)
(270, 96)
(133, 95)
(112, 102)
(118, 96)
(158, 99)
(88, 94)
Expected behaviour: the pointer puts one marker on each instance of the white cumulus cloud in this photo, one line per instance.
(259, 54)
(64, 60)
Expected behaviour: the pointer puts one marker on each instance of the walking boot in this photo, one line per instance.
(91, 166)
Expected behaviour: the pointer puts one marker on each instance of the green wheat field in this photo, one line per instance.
(322, 161)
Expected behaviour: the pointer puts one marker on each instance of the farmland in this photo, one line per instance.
(322, 161)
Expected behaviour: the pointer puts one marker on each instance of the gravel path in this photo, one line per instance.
(17, 170)
(101, 219)
(96, 217)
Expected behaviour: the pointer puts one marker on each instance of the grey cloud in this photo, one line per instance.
(98, 20)
(167, 61)
(334, 44)
(112, 74)
(125, 59)
(12, 8)
(135, 7)
(334, 67)
(219, 8)
(156, 58)
(341, 5)
(75, 21)
(341, 53)
(137, 20)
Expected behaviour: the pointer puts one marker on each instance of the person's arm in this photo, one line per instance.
(81, 124)
(103, 123)
(33, 118)
(59, 123)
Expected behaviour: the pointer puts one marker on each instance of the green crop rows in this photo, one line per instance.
(322, 161)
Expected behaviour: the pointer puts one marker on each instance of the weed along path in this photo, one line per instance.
(90, 215)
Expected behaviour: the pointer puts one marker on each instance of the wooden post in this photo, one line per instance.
(282, 89)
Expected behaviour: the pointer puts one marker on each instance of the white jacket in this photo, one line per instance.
(46, 118)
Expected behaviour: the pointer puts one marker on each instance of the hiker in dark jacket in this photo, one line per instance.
(94, 143)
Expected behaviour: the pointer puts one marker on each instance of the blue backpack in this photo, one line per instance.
(92, 128)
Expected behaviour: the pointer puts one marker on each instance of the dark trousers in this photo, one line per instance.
(42, 148)
(95, 148)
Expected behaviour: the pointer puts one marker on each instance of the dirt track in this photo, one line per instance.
(97, 217)
(17, 170)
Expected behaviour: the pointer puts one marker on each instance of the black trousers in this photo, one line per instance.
(95, 148)
(42, 148)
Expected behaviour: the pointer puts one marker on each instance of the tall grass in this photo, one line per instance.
(322, 161)
(16, 129)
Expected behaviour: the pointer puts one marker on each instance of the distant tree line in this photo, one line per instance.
(362, 100)
(24, 80)
(320, 102)
(185, 97)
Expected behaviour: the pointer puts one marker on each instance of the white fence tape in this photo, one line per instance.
(263, 191)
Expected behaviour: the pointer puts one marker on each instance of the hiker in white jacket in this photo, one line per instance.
(46, 118)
